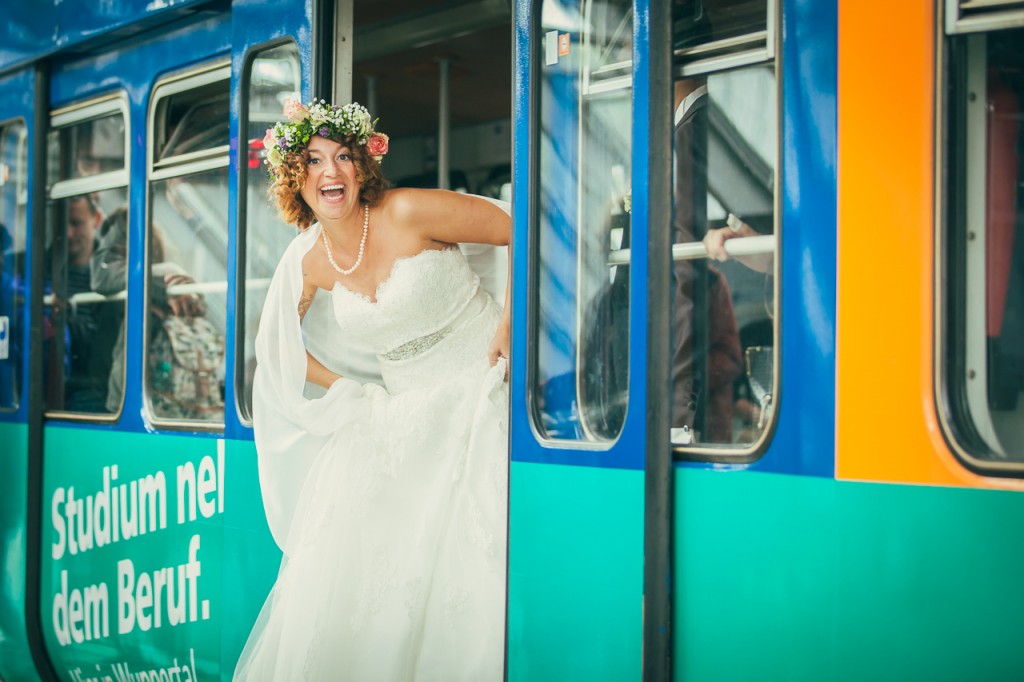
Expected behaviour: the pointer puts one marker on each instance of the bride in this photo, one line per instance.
(388, 502)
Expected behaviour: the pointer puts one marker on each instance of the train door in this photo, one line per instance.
(753, 275)
(17, 128)
(589, 486)
(648, 353)
(439, 78)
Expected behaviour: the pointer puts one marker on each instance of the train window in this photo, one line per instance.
(964, 16)
(981, 312)
(585, 146)
(86, 249)
(273, 75)
(725, 142)
(711, 36)
(187, 251)
(191, 122)
(85, 149)
(13, 211)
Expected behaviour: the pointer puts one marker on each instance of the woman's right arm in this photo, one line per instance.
(316, 373)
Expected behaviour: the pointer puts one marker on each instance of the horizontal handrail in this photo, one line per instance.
(739, 246)
(221, 287)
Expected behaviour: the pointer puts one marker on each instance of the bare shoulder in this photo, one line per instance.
(403, 206)
(314, 273)
(434, 213)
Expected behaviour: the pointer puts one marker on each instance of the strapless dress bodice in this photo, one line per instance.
(427, 315)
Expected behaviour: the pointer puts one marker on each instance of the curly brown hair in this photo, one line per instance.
(288, 179)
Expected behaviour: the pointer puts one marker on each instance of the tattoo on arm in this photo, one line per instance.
(304, 303)
(306, 299)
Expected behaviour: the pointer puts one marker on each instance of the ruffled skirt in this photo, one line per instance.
(396, 566)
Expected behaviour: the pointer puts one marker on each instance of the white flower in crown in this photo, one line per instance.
(325, 120)
(318, 115)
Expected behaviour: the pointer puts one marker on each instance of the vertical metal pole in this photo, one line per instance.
(344, 28)
(371, 94)
(36, 378)
(443, 122)
(658, 488)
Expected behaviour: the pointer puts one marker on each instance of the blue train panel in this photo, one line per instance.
(32, 30)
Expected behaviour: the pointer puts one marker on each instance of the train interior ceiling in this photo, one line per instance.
(401, 49)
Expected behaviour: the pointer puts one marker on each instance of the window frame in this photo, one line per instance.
(760, 54)
(242, 410)
(181, 165)
(17, 389)
(989, 19)
(535, 418)
(762, 51)
(80, 112)
(762, 244)
(953, 276)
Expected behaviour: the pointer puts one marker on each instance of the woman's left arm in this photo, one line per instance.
(500, 342)
(453, 218)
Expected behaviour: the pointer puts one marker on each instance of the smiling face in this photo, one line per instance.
(332, 187)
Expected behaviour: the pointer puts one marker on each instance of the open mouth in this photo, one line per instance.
(333, 192)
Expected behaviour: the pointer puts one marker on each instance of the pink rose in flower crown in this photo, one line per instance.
(269, 140)
(377, 146)
(295, 111)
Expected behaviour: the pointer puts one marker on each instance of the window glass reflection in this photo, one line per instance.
(85, 149)
(582, 290)
(1004, 251)
(85, 302)
(192, 121)
(187, 252)
(187, 313)
(13, 211)
(697, 23)
(987, 246)
(275, 75)
(723, 342)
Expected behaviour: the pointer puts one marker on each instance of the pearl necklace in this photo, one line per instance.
(362, 243)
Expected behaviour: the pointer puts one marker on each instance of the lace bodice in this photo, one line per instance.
(430, 318)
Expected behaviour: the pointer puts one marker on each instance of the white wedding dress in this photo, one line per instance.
(388, 502)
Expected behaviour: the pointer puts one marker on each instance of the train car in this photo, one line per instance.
(768, 305)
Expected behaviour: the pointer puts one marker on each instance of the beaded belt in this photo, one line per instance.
(475, 306)
(417, 346)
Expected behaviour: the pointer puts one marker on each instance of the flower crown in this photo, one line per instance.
(325, 120)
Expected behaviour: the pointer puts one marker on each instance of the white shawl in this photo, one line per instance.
(291, 430)
(291, 426)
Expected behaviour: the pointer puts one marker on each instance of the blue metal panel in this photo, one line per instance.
(31, 30)
(79, 20)
(804, 442)
(628, 451)
(16, 97)
(26, 30)
(521, 434)
(135, 66)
